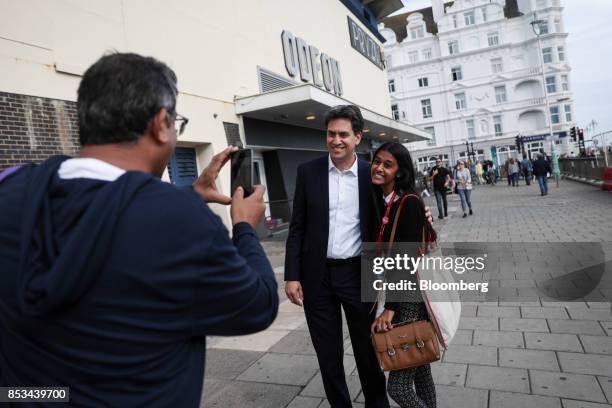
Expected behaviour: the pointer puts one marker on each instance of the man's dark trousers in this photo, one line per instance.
(442, 203)
(341, 286)
(329, 286)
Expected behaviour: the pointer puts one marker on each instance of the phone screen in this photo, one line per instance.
(242, 171)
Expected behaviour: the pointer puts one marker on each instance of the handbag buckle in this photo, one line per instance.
(391, 352)
(405, 346)
(420, 344)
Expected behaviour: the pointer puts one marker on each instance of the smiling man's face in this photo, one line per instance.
(341, 140)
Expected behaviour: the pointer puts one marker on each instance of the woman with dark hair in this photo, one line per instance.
(394, 179)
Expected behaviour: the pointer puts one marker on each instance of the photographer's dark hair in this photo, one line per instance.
(405, 178)
(350, 112)
(120, 94)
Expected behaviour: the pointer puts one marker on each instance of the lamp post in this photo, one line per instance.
(536, 25)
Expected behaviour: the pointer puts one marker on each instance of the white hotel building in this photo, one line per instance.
(470, 70)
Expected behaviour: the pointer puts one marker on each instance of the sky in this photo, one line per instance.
(589, 52)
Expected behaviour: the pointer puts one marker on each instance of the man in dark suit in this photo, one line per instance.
(333, 213)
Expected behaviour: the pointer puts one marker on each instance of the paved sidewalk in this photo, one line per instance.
(507, 354)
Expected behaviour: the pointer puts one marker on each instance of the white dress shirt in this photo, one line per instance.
(344, 239)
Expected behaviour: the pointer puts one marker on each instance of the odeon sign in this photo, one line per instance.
(315, 67)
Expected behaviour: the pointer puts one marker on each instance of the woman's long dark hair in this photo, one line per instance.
(405, 178)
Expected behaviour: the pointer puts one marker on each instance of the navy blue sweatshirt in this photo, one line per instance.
(110, 288)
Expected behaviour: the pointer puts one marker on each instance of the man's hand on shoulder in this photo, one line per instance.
(206, 184)
(293, 289)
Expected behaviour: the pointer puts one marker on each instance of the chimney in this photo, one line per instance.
(438, 9)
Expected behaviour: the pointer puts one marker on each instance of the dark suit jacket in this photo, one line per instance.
(306, 249)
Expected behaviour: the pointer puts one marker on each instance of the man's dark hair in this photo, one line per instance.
(350, 112)
(405, 178)
(120, 94)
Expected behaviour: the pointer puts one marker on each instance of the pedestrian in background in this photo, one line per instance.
(441, 180)
(463, 178)
(513, 172)
(479, 172)
(527, 169)
(541, 168)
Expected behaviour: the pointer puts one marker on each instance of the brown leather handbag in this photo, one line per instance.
(407, 345)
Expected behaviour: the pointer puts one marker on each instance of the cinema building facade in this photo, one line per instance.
(255, 74)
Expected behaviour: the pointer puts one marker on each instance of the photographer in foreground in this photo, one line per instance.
(109, 278)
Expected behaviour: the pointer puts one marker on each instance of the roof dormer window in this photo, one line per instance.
(417, 32)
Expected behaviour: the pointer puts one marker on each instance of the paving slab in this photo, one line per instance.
(591, 314)
(305, 402)
(575, 326)
(498, 338)
(479, 323)
(456, 397)
(229, 364)
(566, 385)
(449, 373)
(523, 325)
(261, 341)
(606, 386)
(471, 355)
(597, 344)
(288, 321)
(553, 341)
(498, 378)
(296, 342)
(315, 386)
(502, 399)
(607, 326)
(498, 311)
(534, 359)
(567, 403)
(596, 364)
(544, 312)
(282, 369)
(463, 338)
(223, 394)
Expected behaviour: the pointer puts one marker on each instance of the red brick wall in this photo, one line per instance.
(34, 128)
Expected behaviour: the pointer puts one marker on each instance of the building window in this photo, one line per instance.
(547, 55)
(417, 32)
(392, 85)
(471, 130)
(500, 94)
(551, 84)
(432, 131)
(426, 53)
(460, 103)
(453, 47)
(561, 53)
(497, 125)
(493, 39)
(568, 113)
(540, 4)
(455, 24)
(497, 65)
(423, 82)
(456, 74)
(544, 27)
(395, 112)
(554, 115)
(484, 14)
(426, 108)
(413, 57)
(565, 82)
(469, 18)
(388, 61)
(558, 25)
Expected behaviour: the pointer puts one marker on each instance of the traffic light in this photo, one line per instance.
(518, 143)
(581, 135)
(573, 133)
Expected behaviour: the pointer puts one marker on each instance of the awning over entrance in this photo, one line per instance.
(305, 106)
